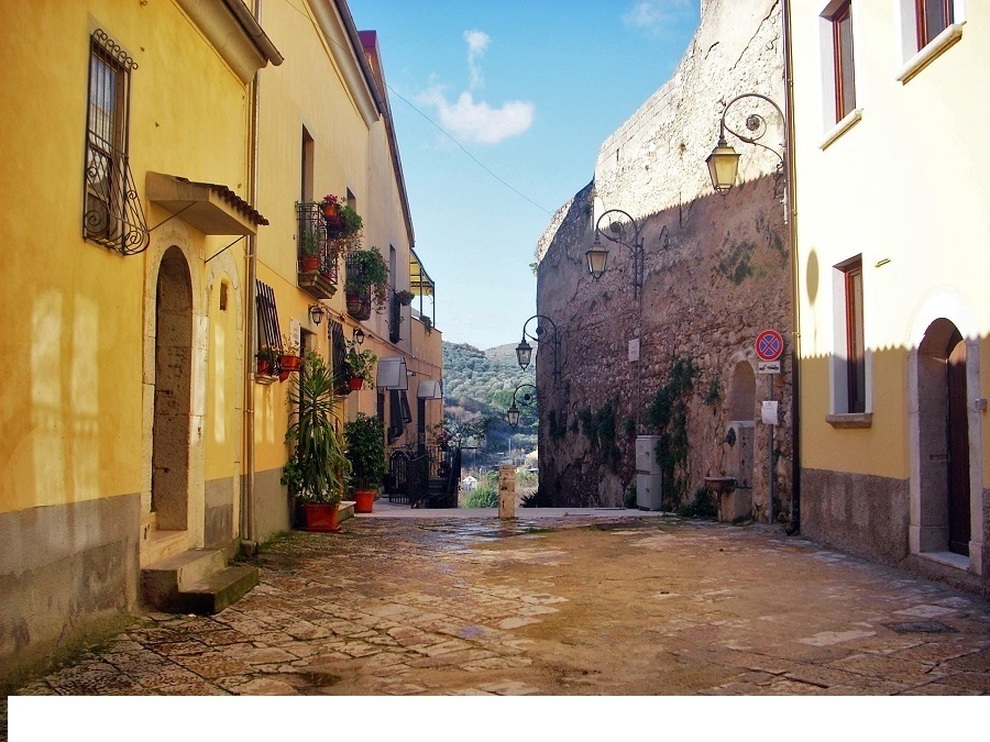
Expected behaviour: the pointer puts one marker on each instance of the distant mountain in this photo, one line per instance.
(480, 383)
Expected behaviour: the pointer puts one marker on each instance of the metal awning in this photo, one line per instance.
(209, 207)
(391, 373)
(429, 389)
(420, 282)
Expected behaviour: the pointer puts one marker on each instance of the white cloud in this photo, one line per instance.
(470, 120)
(656, 17)
(476, 121)
(477, 42)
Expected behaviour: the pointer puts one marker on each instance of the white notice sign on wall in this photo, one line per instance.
(634, 350)
(770, 413)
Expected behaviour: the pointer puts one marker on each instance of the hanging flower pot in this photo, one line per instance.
(359, 304)
(290, 363)
(355, 383)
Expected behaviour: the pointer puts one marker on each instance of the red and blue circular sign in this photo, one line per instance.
(769, 345)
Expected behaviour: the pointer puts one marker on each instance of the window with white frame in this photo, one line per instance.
(927, 28)
(850, 372)
(837, 64)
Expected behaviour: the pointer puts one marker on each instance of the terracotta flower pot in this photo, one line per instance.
(309, 263)
(290, 363)
(364, 501)
(321, 517)
(355, 383)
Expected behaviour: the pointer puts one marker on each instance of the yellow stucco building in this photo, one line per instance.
(892, 234)
(146, 143)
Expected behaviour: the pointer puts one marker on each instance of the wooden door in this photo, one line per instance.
(958, 441)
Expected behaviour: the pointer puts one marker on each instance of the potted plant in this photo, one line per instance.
(266, 361)
(364, 441)
(361, 365)
(366, 285)
(317, 470)
(309, 258)
(341, 218)
(404, 297)
(289, 360)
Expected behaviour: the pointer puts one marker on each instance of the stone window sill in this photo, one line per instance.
(848, 121)
(934, 49)
(849, 420)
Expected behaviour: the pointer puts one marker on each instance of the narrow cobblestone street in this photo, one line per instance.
(597, 603)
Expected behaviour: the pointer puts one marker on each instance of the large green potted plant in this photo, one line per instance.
(366, 286)
(361, 365)
(317, 470)
(364, 440)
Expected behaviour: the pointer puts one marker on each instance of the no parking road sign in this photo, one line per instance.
(769, 347)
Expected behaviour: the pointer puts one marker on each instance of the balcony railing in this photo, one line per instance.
(317, 256)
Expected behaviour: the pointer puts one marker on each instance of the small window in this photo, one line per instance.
(269, 337)
(842, 60)
(855, 347)
(106, 175)
(932, 17)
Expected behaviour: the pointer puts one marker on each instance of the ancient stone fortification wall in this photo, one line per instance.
(717, 272)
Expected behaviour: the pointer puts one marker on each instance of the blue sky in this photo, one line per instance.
(500, 108)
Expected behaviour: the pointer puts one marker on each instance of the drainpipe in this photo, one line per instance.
(248, 510)
(794, 526)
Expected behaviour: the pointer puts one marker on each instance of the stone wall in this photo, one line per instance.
(716, 273)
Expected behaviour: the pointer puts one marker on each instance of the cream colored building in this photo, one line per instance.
(893, 239)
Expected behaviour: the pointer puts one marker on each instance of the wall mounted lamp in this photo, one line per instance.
(524, 351)
(358, 336)
(512, 414)
(316, 312)
(723, 162)
(597, 256)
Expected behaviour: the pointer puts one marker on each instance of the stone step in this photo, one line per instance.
(195, 581)
(345, 511)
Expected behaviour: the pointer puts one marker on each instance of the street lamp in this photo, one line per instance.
(597, 256)
(723, 162)
(512, 414)
(524, 351)
(316, 312)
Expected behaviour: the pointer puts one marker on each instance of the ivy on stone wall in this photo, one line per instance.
(737, 265)
(667, 415)
(600, 430)
(556, 425)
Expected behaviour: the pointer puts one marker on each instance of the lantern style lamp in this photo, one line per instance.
(597, 256)
(723, 165)
(512, 415)
(358, 336)
(524, 354)
(316, 312)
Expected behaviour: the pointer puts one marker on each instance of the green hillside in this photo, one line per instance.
(479, 384)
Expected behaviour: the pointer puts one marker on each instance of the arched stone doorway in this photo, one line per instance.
(943, 517)
(172, 393)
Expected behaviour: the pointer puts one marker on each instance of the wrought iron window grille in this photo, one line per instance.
(113, 215)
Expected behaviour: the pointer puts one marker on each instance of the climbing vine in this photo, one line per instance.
(667, 415)
(600, 429)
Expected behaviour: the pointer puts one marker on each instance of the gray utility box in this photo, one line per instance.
(648, 476)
